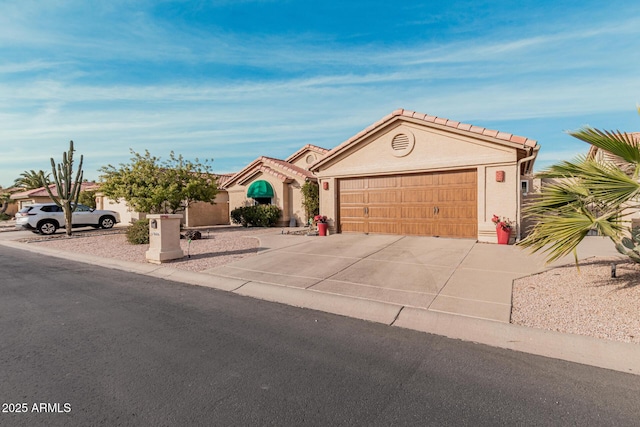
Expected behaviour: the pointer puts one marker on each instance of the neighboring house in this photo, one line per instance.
(198, 214)
(40, 195)
(415, 174)
(12, 205)
(278, 182)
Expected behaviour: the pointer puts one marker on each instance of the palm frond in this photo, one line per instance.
(618, 143)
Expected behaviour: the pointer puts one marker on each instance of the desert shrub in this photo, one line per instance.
(4, 217)
(138, 232)
(256, 216)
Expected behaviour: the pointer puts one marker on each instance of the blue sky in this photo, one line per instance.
(235, 79)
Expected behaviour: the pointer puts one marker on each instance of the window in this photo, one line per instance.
(262, 200)
(524, 186)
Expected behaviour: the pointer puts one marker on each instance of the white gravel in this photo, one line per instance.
(219, 245)
(585, 302)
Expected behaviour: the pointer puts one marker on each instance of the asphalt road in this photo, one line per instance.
(104, 347)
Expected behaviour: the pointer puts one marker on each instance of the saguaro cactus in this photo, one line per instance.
(68, 189)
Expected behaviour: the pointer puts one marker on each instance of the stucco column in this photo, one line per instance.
(164, 238)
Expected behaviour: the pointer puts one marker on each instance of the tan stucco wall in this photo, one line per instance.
(301, 162)
(33, 200)
(127, 215)
(434, 150)
(203, 214)
(287, 197)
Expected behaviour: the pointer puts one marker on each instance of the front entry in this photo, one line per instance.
(430, 204)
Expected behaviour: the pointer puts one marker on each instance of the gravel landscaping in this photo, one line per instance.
(219, 245)
(587, 301)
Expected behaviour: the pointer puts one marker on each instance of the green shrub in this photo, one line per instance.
(256, 216)
(4, 217)
(138, 232)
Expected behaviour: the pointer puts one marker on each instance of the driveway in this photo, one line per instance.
(456, 276)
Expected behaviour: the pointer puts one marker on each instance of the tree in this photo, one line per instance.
(30, 180)
(310, 199)
(151, 186)
(589, 195)
(4, 200)
(68, 189)
(88, 198)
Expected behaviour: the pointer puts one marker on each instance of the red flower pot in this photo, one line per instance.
(322, 228)
(503, 235)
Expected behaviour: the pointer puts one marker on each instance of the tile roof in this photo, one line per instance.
(262, 163)
(223, 178)
(288, 167)
(42, 192)
(439, 122)
(309, 147)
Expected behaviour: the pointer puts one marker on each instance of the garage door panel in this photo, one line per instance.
(351, 198)
(457, 212)
(383, 227)
(379, 212)
(411, 212)
(352, 184)
(457, 177)
(418, 228)
(383, 196)
(352, 226)
(418, 195)
(417, 180)
(456, 229)
(352, 212)
(457, 195)
(382, 182)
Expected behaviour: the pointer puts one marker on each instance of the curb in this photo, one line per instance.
(614, 355)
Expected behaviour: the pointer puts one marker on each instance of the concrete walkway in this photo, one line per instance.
(452, 287)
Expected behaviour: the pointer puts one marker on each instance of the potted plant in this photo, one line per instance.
(321, 222)
(503, 229)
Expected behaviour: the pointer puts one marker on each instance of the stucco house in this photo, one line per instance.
(198, 214)
(415, 174)
(273, 181)
(40, 195)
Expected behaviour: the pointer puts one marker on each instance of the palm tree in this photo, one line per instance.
(588, 194)
(30, 180)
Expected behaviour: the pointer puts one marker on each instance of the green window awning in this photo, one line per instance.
(259, 189)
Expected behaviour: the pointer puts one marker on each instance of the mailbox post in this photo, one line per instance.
(164, 238)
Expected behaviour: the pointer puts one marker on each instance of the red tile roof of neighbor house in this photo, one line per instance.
(223, 178)
(439, 122)
(308, 147)
(261, 163)
(42, 192)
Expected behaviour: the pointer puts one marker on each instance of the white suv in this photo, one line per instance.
(46, 218)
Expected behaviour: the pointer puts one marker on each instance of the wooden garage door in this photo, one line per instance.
(432, 204)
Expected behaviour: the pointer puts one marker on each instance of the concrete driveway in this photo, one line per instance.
(456, 276)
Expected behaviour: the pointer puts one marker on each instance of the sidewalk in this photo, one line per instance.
(450, 287)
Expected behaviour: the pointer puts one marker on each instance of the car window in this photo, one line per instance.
(51, 208)
(26, 209)
(83, 208)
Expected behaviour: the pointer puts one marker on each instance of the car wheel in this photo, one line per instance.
(107, 222)
(47, 227)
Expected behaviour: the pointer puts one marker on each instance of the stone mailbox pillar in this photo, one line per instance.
(164, 238)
